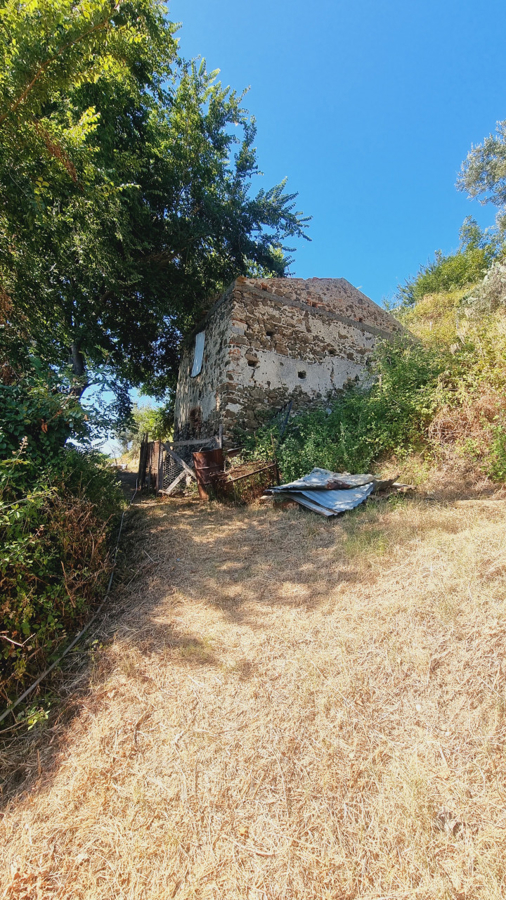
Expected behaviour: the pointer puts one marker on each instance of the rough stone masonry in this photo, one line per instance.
(268, 341)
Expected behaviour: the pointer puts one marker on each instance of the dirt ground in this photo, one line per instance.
(278, 706)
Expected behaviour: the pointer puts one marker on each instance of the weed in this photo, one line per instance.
(496, 464)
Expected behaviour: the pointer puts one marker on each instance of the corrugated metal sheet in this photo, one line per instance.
(320, 491)
(323, 480)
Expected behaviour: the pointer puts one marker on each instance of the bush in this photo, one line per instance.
(496, 462)
(38, 410)
(446, 273)
(57, 507)
(54, 558)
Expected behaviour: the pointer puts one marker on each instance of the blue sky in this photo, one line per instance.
(369, 107)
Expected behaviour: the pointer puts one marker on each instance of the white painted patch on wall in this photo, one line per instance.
(330, 374)
(198, 355)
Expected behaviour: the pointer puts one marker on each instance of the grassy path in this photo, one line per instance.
(284, 707)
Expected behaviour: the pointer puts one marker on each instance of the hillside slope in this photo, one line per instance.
(433, 409)
(467, 328)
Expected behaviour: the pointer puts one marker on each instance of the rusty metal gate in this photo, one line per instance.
(165, 465)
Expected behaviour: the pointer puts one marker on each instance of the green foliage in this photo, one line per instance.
(363, 424)
(156, 422)
(496, 463)
(483, 172)
(457, 270)
(125, 187)
(54, 555)
(38, 411)
(57, 505)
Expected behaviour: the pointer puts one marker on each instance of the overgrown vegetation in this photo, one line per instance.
(363, 423)
(57, 507)
(441, 388)
(476, 253)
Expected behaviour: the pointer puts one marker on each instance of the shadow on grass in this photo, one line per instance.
(241, 562)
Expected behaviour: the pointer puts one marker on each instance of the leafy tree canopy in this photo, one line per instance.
(125, 189)
(476, 252)
(483, 172)
(155, 421)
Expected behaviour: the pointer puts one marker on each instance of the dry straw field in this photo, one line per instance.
(281, 708)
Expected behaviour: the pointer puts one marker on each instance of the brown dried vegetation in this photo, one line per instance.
(283, 708)
(56, 596)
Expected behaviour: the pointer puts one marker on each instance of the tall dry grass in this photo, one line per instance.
(286, 708)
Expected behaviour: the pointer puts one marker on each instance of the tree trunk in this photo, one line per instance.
(80, 382)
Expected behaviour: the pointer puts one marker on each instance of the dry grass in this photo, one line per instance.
(289, 708)
(452, 472)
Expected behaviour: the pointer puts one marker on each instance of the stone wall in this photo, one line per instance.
(331, 294)
(203, 393)
(276, 340)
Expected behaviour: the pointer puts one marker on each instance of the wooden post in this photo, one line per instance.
(143, 461)
(159, 466)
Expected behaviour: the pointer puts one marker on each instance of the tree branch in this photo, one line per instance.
(102, 24)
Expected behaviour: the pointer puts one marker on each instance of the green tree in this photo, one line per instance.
(157, 422)
(468, 265)
(483, 172)
(125, 188)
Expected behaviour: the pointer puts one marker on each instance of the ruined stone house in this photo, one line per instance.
(268, 341)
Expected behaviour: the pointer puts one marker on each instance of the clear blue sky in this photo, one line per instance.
(369, 108)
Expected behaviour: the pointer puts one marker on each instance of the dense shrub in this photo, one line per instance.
(38, 409)
(54, 540)
(57, 507)
(446, 273)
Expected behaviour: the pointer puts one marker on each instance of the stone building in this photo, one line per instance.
(267, 341)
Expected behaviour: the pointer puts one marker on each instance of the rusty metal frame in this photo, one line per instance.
(273, 465)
